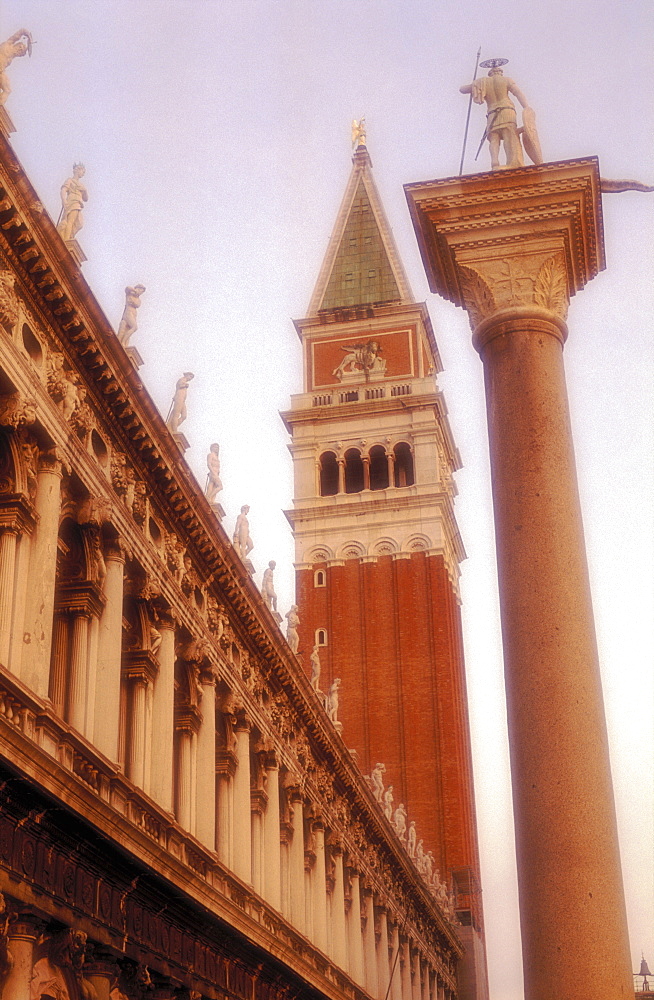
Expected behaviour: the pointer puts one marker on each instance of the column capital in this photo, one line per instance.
(524, 239)
(17, 514)
(51, 460)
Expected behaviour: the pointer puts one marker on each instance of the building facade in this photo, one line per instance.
(378, 547)
(180, 816)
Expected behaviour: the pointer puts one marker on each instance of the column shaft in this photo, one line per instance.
(417, 985)
(319, 888)
(272, 845)
(135, 764)
(339, 942)
(59, 664)
(396, 978)
(16, 645)
(161, 776)
(91, 678)
(77, 680)
(22, 936)
(206, 765)
(383, 977)
(107, 700)
(570, 883)
(369, 947)
(296, 866)
(223, 818)
(7, 591)
(257, 849)
(35, 667)
(242, 843)
(406, 970)
(184, 783)
(355, 932)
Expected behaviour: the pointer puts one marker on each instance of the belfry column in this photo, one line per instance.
(511, 247)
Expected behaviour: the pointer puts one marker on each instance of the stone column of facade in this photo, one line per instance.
(272, 844)
(76, 696)
(319, 886)
(296, 860)
(309, 891)
(163, 719)
(187, 724)
(58, 669)
(225, 770)
(396, 976)
(417, 982)
(390, 458)
(8, 540)
(425, 981)
(406, 970)
(257, 811)
(383, 966)
(511, 250)
(101, 972)
(206, 762)
(135, 763)
(22, 934)
(339, 939)
(35, 666)
(17, 646)
(108, 677)
(355, 933)
(341, 475)
(242, 833)
(369, 944)
(91, 678)
(285, 834)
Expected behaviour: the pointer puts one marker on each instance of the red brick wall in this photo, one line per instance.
(394, 639)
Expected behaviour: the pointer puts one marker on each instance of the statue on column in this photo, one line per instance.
(73, 196)
(358, 132)
(19, 44)
(292, 637)
(214, 483)
(128, 324)
(241, 540)
(268, 587)
(501, 121)
(177, 413)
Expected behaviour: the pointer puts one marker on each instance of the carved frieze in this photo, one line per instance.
(17, 410)
(8, 301)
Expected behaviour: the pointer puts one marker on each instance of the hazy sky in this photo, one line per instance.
(216, 139)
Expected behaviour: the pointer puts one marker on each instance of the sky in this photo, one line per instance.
(216, 139)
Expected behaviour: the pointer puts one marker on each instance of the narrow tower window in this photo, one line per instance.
(403, 464)
(378, 468)
(321, 637)
(353, 471)
(319, 578)
(328, 474)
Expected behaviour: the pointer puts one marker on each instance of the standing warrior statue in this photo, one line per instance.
(128, 325)
(502, 124)
(241, 540)
(73, 196)
(10, 50)
(268, 587)
(214, 483)
(177, 412)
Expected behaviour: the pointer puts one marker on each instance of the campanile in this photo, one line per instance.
(377, 546)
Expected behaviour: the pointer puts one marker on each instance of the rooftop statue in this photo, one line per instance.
(502, 124)
(128, 325)
(214, 482)
(292, 636)
(177, 413)
(73, 196)
(268, 586)
(19, 44)
(241, 540)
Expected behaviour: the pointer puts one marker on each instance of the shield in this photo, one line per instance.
(530, 139)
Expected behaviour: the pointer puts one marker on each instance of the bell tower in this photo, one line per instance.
(377, 546)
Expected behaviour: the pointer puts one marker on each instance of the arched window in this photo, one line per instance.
(328, 474)
(320, 578)
(321, 637)
(378, 468)
(403, 464)
(353, 471)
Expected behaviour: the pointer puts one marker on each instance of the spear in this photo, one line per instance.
(465, 136)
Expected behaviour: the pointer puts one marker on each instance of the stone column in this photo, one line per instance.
(339, 941)
(110, 639)
(355, 933)
(511, 247)
(319, 886)
(22, 583)
(101, 972)
(369, 946)
(296, 860)
(390, 458)
(257, 811)
(59, 662)
(242, 818)
(35, 667)
(309, 860)
(272, 845)
(8, 539)
(286, 833)
(406, 970)
(184, 791)
(365, 459)
(135, 763)
(341, 475)
(21, 935)
(225, 770)
(417, 984)
(396, 976)
(163, 720)
(76, 695)
(206, 762)
(425, 981)
(383, 975)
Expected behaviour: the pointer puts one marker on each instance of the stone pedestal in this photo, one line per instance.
(181, 442)
(6, 124)
(511, 247)
(76, 252)
(218, 510)
(134, 357)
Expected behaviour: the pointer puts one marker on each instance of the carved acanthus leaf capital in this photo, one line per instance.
(17, 410)
(498, 283)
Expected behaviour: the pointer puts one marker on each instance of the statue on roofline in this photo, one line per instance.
(73, 196)
(128, 324)
(19, 44)
(177, 413)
